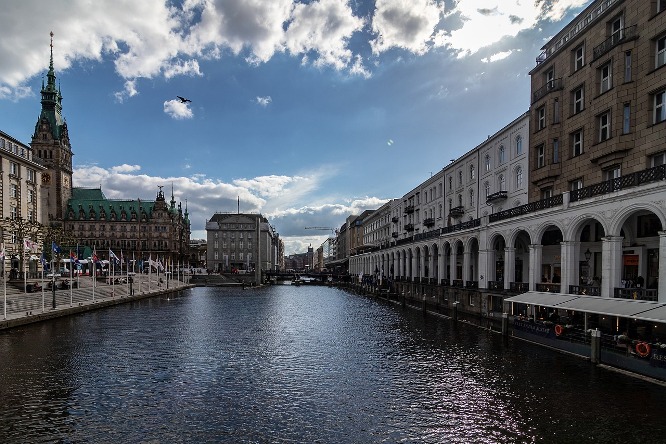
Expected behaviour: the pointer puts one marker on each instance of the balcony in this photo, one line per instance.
(641, 294)
(395, 219)
(548, 288)
(394, 235)
(552, 85)
(409, 209)
(457, 283)
(585, 290)
(457, 211)
(472, 284)
(495, 285)
(519, 287)
(527, 208)
(429, 222)
(409, 227)
(496, 197)
(623, 35)
(654, 174)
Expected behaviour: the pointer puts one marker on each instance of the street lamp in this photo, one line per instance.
(588, 256)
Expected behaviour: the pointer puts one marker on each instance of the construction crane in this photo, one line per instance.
(332, 230)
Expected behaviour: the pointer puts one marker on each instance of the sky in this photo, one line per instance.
(305, 111)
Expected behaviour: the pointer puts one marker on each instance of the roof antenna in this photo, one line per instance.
(238, 204)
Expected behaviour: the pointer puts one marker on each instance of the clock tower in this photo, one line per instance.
(51, 147)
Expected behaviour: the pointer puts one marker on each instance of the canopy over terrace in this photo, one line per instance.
(626, 308)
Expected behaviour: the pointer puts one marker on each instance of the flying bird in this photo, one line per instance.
(183, 99)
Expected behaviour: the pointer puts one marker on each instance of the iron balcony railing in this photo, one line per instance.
(551, 85)
(585, 290)
(472, 284)
(395, 219)
(630, 180)
(429, 222)
(457, 211)
(409, 209)
(519, 287)
(500, 195)
(495, 285)
(611, 42)
(549, 288)
(527, 208)
(457, 283)
(409, 227)
(462, 226)
(395, 234)
(643, 294)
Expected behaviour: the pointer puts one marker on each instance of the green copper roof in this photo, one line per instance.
(88, 199)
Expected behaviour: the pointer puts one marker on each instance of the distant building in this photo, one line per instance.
(241, 242)
(198, 249)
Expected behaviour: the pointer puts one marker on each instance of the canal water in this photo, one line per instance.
(287, 364)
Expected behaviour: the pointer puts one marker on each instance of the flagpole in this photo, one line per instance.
(43, 295)
(150, 266)
(71, 279)
(4, 278)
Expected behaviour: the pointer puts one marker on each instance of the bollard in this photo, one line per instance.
(424, 306)
(595, 349)
(505, 324)
(455, 311)
(404, 302)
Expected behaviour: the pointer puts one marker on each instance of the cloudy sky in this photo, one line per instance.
(307, 110)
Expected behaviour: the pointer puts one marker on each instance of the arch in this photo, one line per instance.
(621, 217)
(493, 238)
(541, 229)
(577, 225)
(516, 233)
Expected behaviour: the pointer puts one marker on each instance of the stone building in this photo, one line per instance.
(138, 229)
(241, 241)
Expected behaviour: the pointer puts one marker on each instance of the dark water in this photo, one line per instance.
(303, 365)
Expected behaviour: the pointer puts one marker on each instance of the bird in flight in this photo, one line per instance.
(183, 99)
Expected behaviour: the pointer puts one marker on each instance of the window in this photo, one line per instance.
(613, 172)
(450, 182)
(627, 66)
(501, 154)
(616, 30)
(519, 144)
(540, 158)
(626, 119)
(605, 82)
(541, 118)
(658, 159)
(460, 200)
(13, 213)
(556, 111)
(576, 184)
(550, 78)
(13, 190)
(579, 57)
(556, 151)
(31, 175)
(13, 168)
(487, 162)
(460, 177)
(502, 182)
(578, 100)
(661, 5)
(659, 106)
(472, 173)
(604, 126)
(519, 177)
(577, 143)
(546, 193)
(660, 48)
(31, 196)
(486, 186)
(471, 198)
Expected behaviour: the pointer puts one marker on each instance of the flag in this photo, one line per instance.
(29, 245)
(94, 256)
(43, 260)
(73, 258)
(2, 253)
(113, 256)
(55, 247)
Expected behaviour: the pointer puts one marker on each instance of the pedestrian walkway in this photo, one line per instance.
(19, 307)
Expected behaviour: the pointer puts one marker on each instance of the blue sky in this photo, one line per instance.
(307, 110)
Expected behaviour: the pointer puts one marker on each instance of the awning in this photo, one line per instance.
(626, 308)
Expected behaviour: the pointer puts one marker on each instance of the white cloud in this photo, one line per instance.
(179, 68)
(407, 24)
(282, 199)
(497, 56)
(325, 27)
(504, 18)
(177, 110)
(264, 101)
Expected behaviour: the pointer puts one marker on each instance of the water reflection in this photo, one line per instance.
(302, 364)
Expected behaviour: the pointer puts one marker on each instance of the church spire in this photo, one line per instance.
(52, 100)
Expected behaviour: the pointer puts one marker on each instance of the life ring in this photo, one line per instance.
(643, 349)
(559, 330)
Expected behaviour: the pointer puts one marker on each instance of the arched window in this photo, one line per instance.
(440, 210)
(472, 172)
(519, 145)
(519, 177)
(471, 198)
(487, 162)
(460, 177)
(502, 182)
(501, 154)
(460, 200)
(486, 186)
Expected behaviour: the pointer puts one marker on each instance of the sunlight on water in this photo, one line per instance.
(302, 364)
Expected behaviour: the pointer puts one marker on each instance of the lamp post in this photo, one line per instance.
(55, 237)
(22, 236)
